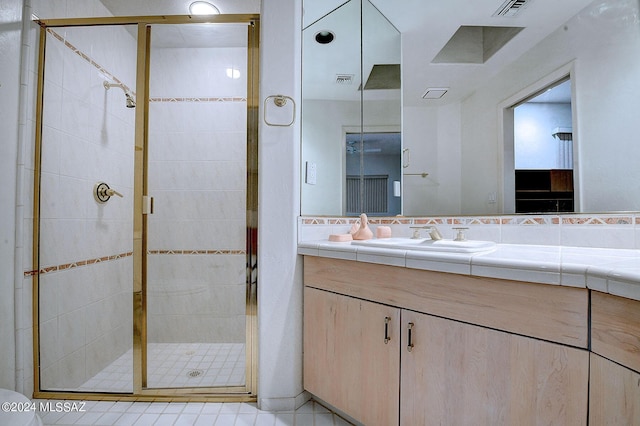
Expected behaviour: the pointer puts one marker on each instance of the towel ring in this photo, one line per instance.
(279, 101)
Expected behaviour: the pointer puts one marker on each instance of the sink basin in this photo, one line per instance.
(426, 244)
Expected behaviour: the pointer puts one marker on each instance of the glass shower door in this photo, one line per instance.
(196, 246)
(84, 252)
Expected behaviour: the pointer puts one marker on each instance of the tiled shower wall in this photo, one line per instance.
(197, 177)
(85, 262)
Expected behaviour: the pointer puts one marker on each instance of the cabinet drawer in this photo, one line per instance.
(615, 329)
(553, 313)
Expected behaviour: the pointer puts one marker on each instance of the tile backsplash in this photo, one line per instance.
(577, 230)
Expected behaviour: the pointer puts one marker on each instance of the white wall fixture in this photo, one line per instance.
(203, 8)
(102, 192)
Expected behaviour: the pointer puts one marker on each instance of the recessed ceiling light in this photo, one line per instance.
(325, 37)
(203, 8)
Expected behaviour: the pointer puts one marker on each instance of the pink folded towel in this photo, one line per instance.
(383, 232)
(339, 238)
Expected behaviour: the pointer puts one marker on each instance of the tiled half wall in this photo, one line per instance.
(588, 230)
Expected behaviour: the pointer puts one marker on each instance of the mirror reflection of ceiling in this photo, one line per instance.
(427, 26)
(559, 94)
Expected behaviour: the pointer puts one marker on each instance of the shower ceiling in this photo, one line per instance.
(187, 35)
(176, 7)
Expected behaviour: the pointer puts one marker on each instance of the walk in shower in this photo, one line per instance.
(145, 207)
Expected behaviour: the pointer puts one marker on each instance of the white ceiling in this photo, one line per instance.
(175, 7)
(193, 35)
(425, 27)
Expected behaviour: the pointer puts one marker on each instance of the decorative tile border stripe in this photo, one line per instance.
(530, 220)
(188, 252)
(526, 220)
(615, 220)
(204, 99)
(65, 266)
(86, 57)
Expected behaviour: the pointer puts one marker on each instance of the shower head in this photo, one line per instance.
(131, 103)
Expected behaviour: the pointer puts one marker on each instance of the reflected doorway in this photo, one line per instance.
(543, 151)
(373, 174)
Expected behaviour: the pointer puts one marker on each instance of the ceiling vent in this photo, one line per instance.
(511, 8)
(344, 78)
(385, 76)
(434, 93)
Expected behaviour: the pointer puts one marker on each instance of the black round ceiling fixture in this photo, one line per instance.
(324, 37)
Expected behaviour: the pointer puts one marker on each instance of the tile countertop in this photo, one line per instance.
(614, 271)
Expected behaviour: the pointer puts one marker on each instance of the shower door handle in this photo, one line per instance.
(147, 204)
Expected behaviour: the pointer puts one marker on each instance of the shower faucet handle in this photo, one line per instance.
(111, 192)
(102, 193)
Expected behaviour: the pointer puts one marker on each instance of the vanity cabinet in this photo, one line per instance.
(471, 350)
(461, 374)
(614, 397)
(351, 355)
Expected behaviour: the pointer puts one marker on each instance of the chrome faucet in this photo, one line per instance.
(433, 232)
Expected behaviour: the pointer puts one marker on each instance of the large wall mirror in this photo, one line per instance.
(473, 81)
(351, 110)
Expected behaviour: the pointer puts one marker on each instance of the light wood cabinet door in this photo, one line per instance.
(614, 395)
(346, 360)
(460, 374)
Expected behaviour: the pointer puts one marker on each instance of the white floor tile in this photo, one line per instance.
(323, 419)
(206, 420)
(127, 419)
(186, 419)
(192, 414)
(304, 419)
(146, 419)
(225, 420)
(166, 420)
(106, 419)
(265, 419)
(286, 419)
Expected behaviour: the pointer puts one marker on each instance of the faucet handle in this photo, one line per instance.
(460, 235)
(433, 232)
(416, 231)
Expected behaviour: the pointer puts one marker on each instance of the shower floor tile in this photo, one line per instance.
(176, 365)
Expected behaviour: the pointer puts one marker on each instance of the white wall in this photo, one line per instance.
(433, 138)
(325, 123)
(605, 50)
(535, 146)
(279, 266)
(10, 48)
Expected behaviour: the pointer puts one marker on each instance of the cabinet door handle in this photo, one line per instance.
(387, 320)
(409, 342)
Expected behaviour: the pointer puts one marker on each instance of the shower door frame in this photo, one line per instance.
(248, 392)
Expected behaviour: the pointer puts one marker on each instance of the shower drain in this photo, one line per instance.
(195, 373)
